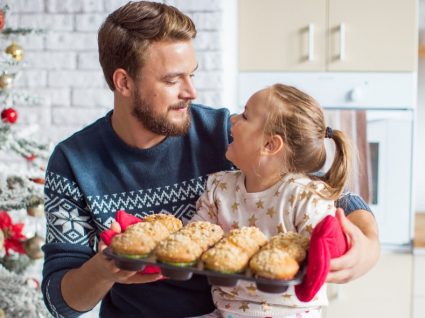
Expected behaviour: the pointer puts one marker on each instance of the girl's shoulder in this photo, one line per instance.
(228, 176)
(302, 182)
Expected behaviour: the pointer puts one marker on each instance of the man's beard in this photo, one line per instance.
(158, 123)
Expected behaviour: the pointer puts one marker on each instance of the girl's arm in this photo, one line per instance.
(206, 209)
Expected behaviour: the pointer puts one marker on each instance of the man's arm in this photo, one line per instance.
(84, 287)
(75, 278)
(362, 231)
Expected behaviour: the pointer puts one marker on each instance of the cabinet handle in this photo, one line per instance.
(342, 42)
(310, 52)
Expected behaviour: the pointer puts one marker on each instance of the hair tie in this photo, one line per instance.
(329, 133)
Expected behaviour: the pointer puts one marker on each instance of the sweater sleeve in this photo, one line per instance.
(71, 234)
(350, 202)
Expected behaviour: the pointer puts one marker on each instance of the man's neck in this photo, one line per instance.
(132, 132)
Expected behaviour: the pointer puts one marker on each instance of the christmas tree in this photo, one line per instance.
(22, 162)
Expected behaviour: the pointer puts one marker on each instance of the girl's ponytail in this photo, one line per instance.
(337, 176)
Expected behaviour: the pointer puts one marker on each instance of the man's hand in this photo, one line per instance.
(362, 233)
(82, 288)
(109, 271)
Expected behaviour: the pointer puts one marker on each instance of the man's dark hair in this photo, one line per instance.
(126, 34)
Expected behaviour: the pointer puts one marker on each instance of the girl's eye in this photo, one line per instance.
(243, 116)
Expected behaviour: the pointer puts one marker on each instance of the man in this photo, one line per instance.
(152, 153)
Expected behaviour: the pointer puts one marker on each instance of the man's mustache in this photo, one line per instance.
(182, 104)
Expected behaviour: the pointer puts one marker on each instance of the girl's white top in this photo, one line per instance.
(292, 204)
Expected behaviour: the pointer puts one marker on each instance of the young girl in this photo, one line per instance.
(278, 143)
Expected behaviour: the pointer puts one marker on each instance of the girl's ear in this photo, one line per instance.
(123, 82)
(273, 145)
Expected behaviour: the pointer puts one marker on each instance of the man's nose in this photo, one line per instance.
(189, 90)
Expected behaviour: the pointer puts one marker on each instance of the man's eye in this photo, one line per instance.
(243, 116)
(169, 82)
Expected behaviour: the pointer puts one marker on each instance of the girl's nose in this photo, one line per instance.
(233, 119)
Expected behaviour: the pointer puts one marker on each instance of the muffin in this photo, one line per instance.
(232, 253)
(281, 257)
(140, 239)
(184, 248)
(274, 263)
(225, 257)
(293, 243)
(134, 245)
(178, 249)
(155, 230)
(249, 239)
(172, 223)
(204, 233)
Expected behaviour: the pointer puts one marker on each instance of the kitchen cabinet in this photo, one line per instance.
(327, 35)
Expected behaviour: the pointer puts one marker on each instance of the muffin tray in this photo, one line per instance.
(214, 278)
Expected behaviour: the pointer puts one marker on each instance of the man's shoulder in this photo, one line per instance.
(202, 110)
(210, 120)
(87, 134)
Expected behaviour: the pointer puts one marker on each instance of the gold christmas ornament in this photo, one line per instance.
(35, 206)
(33, 247)
(16, 51)
(5, 81)
(36, 211)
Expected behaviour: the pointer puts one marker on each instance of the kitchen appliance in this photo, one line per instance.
(387, 102)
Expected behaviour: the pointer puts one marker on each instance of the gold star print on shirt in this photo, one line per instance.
(260, 204)
(252, 288)
(271, 212)
(266, 307)
(280, 228)
(244, 306)
(222, 186)
(252, 220)
(235, 291)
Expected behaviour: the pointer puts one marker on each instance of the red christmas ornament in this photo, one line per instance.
(38, 180)
(30, 157)
(13, 237)
(9, 115)
(2, 19)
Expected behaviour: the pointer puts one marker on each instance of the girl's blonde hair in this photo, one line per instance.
(299, 120)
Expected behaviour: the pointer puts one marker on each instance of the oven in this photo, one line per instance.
(377, 111)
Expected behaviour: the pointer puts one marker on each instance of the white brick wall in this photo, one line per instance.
(62, 65)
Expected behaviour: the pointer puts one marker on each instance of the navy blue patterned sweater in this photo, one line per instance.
(94, 173)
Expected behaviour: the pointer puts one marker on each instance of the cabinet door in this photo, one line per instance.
(282, 35)
(378, 35)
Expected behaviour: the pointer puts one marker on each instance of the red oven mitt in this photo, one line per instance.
(125, 219)
(327, 241)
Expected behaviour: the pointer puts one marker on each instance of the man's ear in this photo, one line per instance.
(273, 145)
(123, 82)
